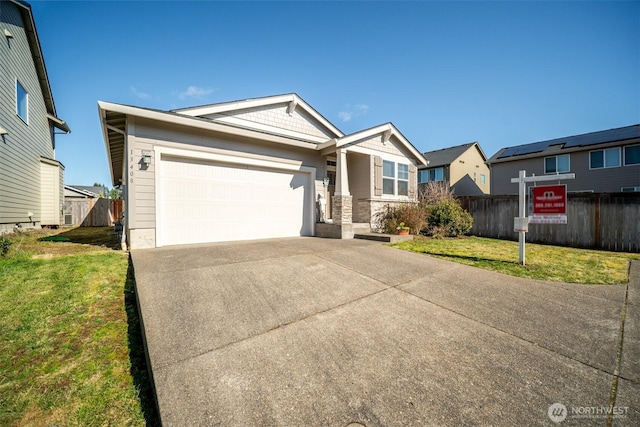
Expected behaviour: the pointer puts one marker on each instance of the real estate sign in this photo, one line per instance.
(548, 204)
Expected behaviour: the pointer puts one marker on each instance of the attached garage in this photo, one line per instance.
(248, 169)
(203, 200)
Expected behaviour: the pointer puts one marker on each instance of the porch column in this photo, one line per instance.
(342, 206)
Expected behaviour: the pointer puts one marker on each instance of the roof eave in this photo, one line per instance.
(387, 127)
(36, 54)
(59, 123)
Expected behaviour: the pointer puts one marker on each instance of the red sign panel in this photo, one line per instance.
(550, 200)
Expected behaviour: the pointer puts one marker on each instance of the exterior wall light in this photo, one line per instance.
(146, 158)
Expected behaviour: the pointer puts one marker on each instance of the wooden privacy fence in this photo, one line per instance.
(609, 221)
(92, 212)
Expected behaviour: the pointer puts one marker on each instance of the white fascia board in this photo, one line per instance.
(231, 157)
(378, 130)
(235, 105)
(259, 102)
(327, 144)
(361, 135)
(102, 113)
(197, 123)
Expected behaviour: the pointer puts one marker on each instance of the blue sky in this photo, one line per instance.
(445, 73)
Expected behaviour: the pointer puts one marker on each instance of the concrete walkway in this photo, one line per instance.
(319, 332)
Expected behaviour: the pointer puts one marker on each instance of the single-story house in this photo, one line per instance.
(606, 161)
(462, 167)
(250, 169)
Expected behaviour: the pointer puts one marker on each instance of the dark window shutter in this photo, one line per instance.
(412, 180)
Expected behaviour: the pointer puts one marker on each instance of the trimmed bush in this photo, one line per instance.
(447, 219)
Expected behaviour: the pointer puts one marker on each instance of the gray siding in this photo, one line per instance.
(608, 180)
(145, 135)
(278, 116)
(21, 149)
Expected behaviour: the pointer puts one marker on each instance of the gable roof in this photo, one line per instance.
(83, 190)
(38, 61)
(446, 156)
(113, 119)
(387, 129)
(573, 143)
(292, 99)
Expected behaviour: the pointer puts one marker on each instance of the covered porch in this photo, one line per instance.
(366, 171)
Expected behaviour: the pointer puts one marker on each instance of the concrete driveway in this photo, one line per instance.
(319, 332)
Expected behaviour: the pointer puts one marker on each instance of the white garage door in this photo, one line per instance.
(201, 201)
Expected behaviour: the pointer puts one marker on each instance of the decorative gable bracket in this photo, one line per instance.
(292, 106)
(386, 135)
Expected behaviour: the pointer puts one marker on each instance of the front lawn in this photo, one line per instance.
(543, 262)
(71, 352)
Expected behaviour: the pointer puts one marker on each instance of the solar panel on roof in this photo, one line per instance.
(586, 139)
(603, 136)
(521, 150)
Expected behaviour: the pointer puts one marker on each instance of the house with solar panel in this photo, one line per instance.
(462, 167)
(606, 161)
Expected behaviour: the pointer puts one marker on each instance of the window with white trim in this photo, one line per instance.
(607, 158)
(556, 164)
(632, 155)
(483, 178)
(403, 179)
(388, 177)
(22, 102)
(395, 178)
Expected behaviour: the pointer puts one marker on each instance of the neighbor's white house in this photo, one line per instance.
(250, 169)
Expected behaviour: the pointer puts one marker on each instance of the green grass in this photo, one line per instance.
(543, 262)
(71, 350)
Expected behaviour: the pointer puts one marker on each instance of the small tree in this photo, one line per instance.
(435, 191)
(115, 193)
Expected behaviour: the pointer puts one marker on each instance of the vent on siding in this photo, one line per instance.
(68, 219)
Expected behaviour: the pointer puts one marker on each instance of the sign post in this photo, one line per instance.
(521, 223)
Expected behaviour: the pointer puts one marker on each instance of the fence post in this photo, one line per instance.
(597, 238)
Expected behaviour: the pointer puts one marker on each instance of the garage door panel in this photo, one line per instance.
(208, 202)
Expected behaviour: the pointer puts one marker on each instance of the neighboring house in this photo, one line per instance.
(86, 206)
(31, 180)
(82, 192)
(249, 169)
(462, 167)
(604, 161)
